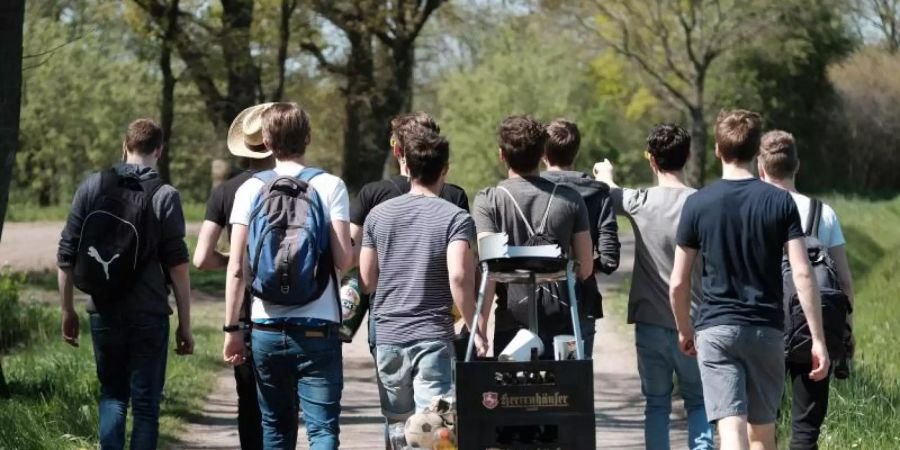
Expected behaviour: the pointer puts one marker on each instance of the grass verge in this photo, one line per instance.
(864, 411)
(54, 386)
(26, 212)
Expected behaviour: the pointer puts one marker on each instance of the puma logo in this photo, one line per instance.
(93, 253)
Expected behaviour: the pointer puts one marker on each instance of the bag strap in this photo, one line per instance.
(547, 211)
(266, 176)
(521, 214)
(308, 173)
(814, 217)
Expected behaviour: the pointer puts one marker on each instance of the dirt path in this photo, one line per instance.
(617, 392)
(31, 246)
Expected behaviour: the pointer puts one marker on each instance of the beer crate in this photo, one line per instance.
(525, 405)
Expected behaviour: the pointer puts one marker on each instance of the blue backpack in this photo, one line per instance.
(288, 247)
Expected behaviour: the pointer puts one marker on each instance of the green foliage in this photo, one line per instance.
(510, 77)
(54, 386)
(864, 410)
(19, 322)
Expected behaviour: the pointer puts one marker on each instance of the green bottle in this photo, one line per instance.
(354, 305)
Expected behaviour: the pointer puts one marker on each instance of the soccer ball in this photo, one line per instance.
(420, 429)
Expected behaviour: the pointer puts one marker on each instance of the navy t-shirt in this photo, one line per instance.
(740, 228)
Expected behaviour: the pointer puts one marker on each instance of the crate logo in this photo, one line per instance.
(541, 400)
(489, 400)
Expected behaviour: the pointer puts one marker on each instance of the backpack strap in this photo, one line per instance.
(308, 173)
(521, 214)
(547, 211)
(266, 176)
(814, 217)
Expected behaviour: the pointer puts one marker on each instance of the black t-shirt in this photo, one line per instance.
(740, 228)
(218, 207)
(376, 192)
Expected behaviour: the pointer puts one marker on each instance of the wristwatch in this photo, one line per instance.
(232, 328)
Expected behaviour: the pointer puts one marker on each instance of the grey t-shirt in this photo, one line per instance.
(494, 211)
(654, 214)
(410, 234)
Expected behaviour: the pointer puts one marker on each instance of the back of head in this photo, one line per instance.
(285, 130)
(403, 125)
(738, 134)
(522, 140)
(427, 155)
(563, 141)
(778, 155)
(670, 146)
(143, 137)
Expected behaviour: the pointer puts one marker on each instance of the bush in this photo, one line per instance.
(19, 322)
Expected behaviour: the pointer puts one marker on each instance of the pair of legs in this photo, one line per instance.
(410, 375)
(658, 360)
(809, 406)
(130, 350)
(742, 368)
(297, 364)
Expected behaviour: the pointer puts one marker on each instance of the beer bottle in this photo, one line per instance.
(354, 305)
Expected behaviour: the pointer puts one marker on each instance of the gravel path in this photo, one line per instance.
(617, 393)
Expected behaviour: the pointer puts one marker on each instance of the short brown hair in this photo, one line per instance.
(405, 124)
(563, 140)
(427, 155)
(285, 129)
(738, 134)
(778, 154)
(522, 140)
(144, 136)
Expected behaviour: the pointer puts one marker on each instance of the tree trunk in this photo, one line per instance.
(167, 107)
(12, 18)
(366, 135)
(696, 166)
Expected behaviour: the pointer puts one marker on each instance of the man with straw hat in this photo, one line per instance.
(244, 141)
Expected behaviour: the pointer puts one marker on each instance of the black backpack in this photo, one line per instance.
(119, 236)
(553, 304)
(835, 304)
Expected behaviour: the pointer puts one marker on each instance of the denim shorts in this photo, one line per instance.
(411, 374)
(742, 369)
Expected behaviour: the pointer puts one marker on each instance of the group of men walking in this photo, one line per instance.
(706, 295)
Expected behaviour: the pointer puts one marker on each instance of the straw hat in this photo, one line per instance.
(245, 134)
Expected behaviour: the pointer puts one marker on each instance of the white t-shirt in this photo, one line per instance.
(336, 202)
(830, 233)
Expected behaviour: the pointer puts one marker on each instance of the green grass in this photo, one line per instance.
(24, 212)
(54, 386)
(864, 411)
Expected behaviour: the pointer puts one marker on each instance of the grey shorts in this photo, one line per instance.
(742, 369)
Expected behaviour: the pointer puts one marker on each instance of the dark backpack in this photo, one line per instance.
(119, 236)
(835, 304)
(553, 305)
(288, 246)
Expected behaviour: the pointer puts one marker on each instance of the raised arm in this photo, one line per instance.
(206, 256)
(808, 292)
(680, 297)
(583, 250)
(608, 238)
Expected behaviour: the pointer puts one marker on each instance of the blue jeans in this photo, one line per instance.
(294, 364)
(411, 374)
(588, 331)
(658, 359)
(130, 351)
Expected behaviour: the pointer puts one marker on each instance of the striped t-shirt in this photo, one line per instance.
(411, 233)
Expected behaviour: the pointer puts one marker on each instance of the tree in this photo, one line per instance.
(377, 71)
(12, 16)
(883, 16)
(673, 45)
(167, 103)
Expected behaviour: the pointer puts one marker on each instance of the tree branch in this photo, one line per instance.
(316, 52)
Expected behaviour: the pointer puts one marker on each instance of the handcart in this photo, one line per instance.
(531, 404)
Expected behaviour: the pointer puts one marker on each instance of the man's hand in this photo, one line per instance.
(184, 340)
(603, 171)
(70, 327)
(481, 345)
(234, 352)
(686, 341)
(820, 361)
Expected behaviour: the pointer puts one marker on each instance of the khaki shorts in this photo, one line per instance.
(742, 370)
